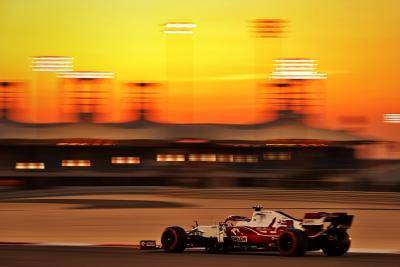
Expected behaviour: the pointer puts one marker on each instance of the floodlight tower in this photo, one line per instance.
(142, 97)
(391, 118)
(46, 68)
(52, 64)
(179, 39)
(84, 92)
(267, 29)
(10, 92)
(268, 35)
(290, 91)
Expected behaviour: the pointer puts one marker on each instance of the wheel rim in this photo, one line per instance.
(286, 242)
(168, 239)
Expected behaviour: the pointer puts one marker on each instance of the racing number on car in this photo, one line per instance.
(235, 238)
(235, 231)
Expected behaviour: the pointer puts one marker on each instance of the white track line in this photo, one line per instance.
(374, 250)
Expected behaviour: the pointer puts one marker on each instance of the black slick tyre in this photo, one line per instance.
(292, 243)
(174, 239)
(337, 244)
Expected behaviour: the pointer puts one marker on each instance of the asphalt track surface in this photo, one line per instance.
(63, 256)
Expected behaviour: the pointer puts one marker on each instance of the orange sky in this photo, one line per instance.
(356, 43)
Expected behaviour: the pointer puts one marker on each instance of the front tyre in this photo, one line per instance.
(337, 244)
(174, 239)
(292, 242)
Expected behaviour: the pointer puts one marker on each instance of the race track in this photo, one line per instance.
(128, 215)
(63, 256)
(77, 219)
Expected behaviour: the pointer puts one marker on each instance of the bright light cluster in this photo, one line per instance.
(391, 118)
(85, 75)
(171, 157)
(269, 28)
(179, 28)
(52, 64)
(75, 163)
(30, 166)
(125, 160)
(297, 69)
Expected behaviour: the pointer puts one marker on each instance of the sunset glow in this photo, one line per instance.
(352, 41)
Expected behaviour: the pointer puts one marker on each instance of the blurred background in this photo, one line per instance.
(260, 94)
(119, 118)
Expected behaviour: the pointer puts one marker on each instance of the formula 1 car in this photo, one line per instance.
(266, 230)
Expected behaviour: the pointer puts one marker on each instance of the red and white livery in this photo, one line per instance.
(268, 230)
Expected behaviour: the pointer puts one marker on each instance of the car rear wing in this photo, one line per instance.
(336, 219)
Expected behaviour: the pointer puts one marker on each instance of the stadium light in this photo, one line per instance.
(391, 118)
(268, 28)
(179, 28)
(295, 60)
(296, 69)
(52, 64)
(85, 75)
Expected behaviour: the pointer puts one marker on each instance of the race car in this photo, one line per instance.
(266, 230)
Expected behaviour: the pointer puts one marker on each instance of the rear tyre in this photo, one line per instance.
(292, 243)
(174, 239)
(337, 244)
